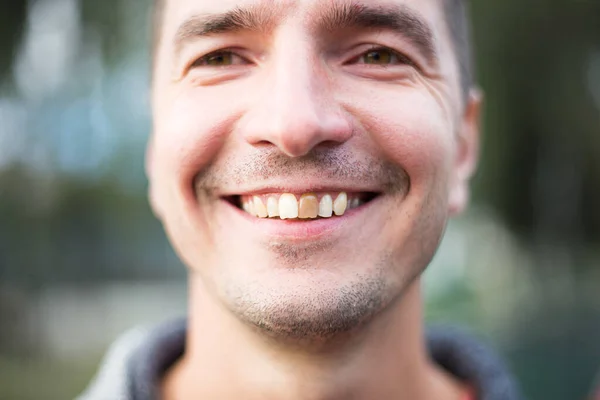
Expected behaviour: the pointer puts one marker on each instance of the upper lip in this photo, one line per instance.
(300, 188)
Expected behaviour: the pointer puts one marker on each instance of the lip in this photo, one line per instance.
(306, 187)
(299, 229)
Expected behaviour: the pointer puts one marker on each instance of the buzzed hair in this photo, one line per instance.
(459, 25)
(457, 18)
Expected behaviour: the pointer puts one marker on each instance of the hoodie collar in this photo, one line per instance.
(458, 352)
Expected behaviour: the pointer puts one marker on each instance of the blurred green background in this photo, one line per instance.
(82, 258)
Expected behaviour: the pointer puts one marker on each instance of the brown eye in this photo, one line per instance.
(379, 57)
(219, 59)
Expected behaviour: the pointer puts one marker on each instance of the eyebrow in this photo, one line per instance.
(264, 17)
(395, 17)
(255, 18)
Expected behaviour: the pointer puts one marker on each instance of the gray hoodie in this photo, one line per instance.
(135, 363)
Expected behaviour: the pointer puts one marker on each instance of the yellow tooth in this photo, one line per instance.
(340, 204)
(249, 206)
(326, 206)
(272, 207)
(288, 206)
(259, 208)
(308, 206)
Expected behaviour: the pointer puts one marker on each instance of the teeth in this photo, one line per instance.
(326, 206)
(249, 207)
(308, 206)
(340, 204)
(272, 207)
(288, 206)
(259, 208)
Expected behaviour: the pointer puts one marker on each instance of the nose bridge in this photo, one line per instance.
(296, 110)
(295, 83)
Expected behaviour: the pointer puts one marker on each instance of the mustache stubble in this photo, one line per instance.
(330, 163)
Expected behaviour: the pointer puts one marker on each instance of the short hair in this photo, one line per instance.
(459, 25)
(457, 18)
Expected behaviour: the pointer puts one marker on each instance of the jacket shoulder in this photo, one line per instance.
(112, 379)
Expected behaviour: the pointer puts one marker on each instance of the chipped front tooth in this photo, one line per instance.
(259, 208)
(340, 204)
(308, 206)
(326, 206)
(288, 206)
(272, 207)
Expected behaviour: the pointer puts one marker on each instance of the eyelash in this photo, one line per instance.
(200, 62)
(402, 58)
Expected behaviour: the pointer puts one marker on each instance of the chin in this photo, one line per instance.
(311, 304)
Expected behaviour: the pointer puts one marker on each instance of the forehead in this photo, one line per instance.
(175, 11)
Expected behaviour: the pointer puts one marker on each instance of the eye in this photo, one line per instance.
(220, 58)
(382, 56)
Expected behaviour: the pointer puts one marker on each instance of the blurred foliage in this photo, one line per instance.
(44, 377)
(540, 165)
(12, 16)
(75, 226)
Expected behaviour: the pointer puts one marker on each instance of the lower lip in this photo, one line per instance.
(301, 229)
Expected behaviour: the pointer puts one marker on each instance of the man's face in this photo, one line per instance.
(299, 103)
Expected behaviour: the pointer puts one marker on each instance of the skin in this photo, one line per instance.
(336, 313)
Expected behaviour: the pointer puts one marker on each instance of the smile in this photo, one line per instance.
(302, 206)
(301, 212)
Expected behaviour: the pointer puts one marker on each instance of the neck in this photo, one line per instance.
(387, 359)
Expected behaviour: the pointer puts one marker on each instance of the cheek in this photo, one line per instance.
(411, 130)
(190, 130)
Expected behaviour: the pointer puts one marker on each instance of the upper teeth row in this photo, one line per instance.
(288, 207)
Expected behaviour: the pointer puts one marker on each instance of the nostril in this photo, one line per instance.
(263, 143)
(296, 133)
(329, 144)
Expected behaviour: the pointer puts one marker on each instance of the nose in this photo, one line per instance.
(296, 110)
